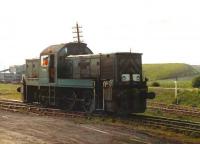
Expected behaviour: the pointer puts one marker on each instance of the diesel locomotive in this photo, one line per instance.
(71, 77)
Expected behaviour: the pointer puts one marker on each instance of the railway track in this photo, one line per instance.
(17, 106)
(175, 109)
(185, 127)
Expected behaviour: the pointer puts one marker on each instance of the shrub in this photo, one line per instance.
(196, 82)
(155, 84)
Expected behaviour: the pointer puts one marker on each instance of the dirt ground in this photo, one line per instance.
(17, 128)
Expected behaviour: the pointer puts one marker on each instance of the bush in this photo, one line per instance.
(196, 82)
(155, 84)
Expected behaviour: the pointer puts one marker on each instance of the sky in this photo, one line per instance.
(165, 31)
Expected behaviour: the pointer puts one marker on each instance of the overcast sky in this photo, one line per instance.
(165, 31)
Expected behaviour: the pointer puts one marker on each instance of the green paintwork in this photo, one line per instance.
(43, 76)
(32, 81)
(76, 83)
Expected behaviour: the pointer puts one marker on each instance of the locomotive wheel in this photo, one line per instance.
(69, 100)
(87, 101)
(44, 101)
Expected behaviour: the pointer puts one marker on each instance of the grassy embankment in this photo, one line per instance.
(9, 91)
(169, 71)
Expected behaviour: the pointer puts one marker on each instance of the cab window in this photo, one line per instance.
(44, 60)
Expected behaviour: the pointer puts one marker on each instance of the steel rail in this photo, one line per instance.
(173, 124)
(176, 109)
(17, 106)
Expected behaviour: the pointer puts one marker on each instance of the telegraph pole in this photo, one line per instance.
(78, 32)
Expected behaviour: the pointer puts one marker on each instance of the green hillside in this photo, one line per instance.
(197, 67)
(168, 71)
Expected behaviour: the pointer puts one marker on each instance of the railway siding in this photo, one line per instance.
(186, 127)
(175, 109)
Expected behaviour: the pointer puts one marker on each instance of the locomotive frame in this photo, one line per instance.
(70, 76)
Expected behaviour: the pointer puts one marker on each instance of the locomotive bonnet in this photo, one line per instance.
(71, 77)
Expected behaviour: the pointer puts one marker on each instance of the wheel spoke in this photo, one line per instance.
(69, 101)
(87, 103)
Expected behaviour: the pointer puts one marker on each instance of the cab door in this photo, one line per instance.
(52, 68)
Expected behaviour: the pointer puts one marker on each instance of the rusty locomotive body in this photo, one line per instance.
(70, 76)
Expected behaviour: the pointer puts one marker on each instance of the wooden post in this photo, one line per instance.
(176, 91)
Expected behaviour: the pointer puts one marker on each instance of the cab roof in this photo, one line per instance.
(72, 49)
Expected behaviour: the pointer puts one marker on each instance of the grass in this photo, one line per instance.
(186, 94)
(168, 71)
(9, 91)
(188, 97)
(170, 83)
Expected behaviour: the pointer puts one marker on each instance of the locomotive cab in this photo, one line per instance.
(53, 60)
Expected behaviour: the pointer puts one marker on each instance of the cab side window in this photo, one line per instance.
(44, 60)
